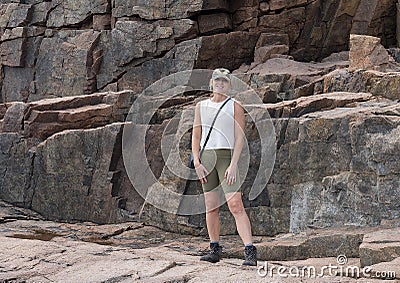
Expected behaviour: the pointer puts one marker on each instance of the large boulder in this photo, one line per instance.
(367, 53)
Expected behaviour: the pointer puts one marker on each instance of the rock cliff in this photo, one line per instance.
(327, 73)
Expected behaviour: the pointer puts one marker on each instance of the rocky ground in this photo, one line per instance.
(34, 250)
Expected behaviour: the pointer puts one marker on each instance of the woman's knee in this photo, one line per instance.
(236, 206)
(213, 212)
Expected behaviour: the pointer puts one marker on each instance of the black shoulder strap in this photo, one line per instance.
(212, 125)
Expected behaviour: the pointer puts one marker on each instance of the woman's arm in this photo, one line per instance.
(231, 171)
(239, 132)
(196, 136)
(201, 171)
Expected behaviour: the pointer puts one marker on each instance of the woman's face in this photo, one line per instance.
(221, 85)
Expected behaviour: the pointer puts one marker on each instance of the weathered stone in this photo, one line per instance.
(66, 13)
(153, 10)
(88, 152)
(398, 24)
(244, 15)
(214, 23)
(184, 29)
(69, 246)
(162, 35)
(133, 39)
(17, 83)
(280, 4)
(290, 22)
(14, 33)
(101, 22)
(380, 246)
(291, 75)
(46, 117)
(264, 7)
(363, 14)
(377, 83)
(395, 53)
(13, 118)
(347, 186)
(62, 62)
(14, 14)
(235, 5)
(266, 39)
(367, 187)
(341, 56)
(12, 52)
(40, 12)
(15, 169)
(264, 53)
(182, 57)
(233, 48)
(328, 25)
(269, 93)
(129, 44)
(367, 53)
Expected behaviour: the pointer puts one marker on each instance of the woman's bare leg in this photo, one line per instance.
(212, 215)
(236, 207)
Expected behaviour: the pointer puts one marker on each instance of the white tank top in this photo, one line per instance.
(223, 132)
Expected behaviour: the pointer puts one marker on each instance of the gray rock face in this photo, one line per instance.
(336, 128)
(68, 13)
(343, 18)
(15, 169)
(63, 62)
(355, 176)
(12, 49)
(134, 33)
(127, 56)
(346, 187)
(25, 125)
(154, 10)
(88, 152)
(14, 14)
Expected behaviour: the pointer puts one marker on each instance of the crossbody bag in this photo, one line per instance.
(191, 159)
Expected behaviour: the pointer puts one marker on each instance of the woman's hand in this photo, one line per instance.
(230, 174)
(201, 172)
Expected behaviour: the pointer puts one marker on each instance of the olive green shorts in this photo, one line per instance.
(216, 162)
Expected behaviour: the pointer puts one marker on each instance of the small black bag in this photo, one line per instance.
(191, 158)
(191, 161)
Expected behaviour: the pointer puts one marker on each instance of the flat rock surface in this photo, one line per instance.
(34, 250)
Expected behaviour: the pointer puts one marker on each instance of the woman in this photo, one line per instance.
(225, 142)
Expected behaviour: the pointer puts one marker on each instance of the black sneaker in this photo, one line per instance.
(250, 256)
(214, 254)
